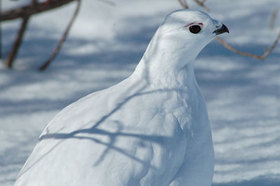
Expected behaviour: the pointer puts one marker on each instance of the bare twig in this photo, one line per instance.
(262, 57)
(273, 18)
(0, 41)
(33, 8)
(63, 38)
(202, 4)
(17, 43)
(184, 4)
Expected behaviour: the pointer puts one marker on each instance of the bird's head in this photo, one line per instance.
(189, 30)
(178, 41)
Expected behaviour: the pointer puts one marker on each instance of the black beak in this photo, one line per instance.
(221, 30)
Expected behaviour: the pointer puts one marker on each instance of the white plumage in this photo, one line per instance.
(151, 129)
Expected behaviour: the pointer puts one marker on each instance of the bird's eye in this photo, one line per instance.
(195, 29)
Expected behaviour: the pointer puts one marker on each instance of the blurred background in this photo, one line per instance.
(105, 43)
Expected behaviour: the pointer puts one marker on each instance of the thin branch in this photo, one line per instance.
(12, 55)
(259, 57)
(33, 8)
(0, 41)
(273, 18)
(63, 38)
(202, 4)
(184, 4)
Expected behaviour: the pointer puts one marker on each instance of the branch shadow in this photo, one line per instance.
(90, 133)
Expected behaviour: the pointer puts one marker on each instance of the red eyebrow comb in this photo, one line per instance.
(193, 23)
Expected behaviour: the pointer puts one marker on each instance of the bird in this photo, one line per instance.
(150, 129)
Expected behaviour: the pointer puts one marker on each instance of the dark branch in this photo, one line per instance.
(33, 8)
(63, 38)
(17, 43)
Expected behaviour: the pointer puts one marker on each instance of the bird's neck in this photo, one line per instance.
(167, 64)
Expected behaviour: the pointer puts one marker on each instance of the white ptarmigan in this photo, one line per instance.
(151, 129)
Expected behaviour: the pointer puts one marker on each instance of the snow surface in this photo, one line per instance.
(104, 46)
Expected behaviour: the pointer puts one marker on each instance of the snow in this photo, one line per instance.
(242, 94)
